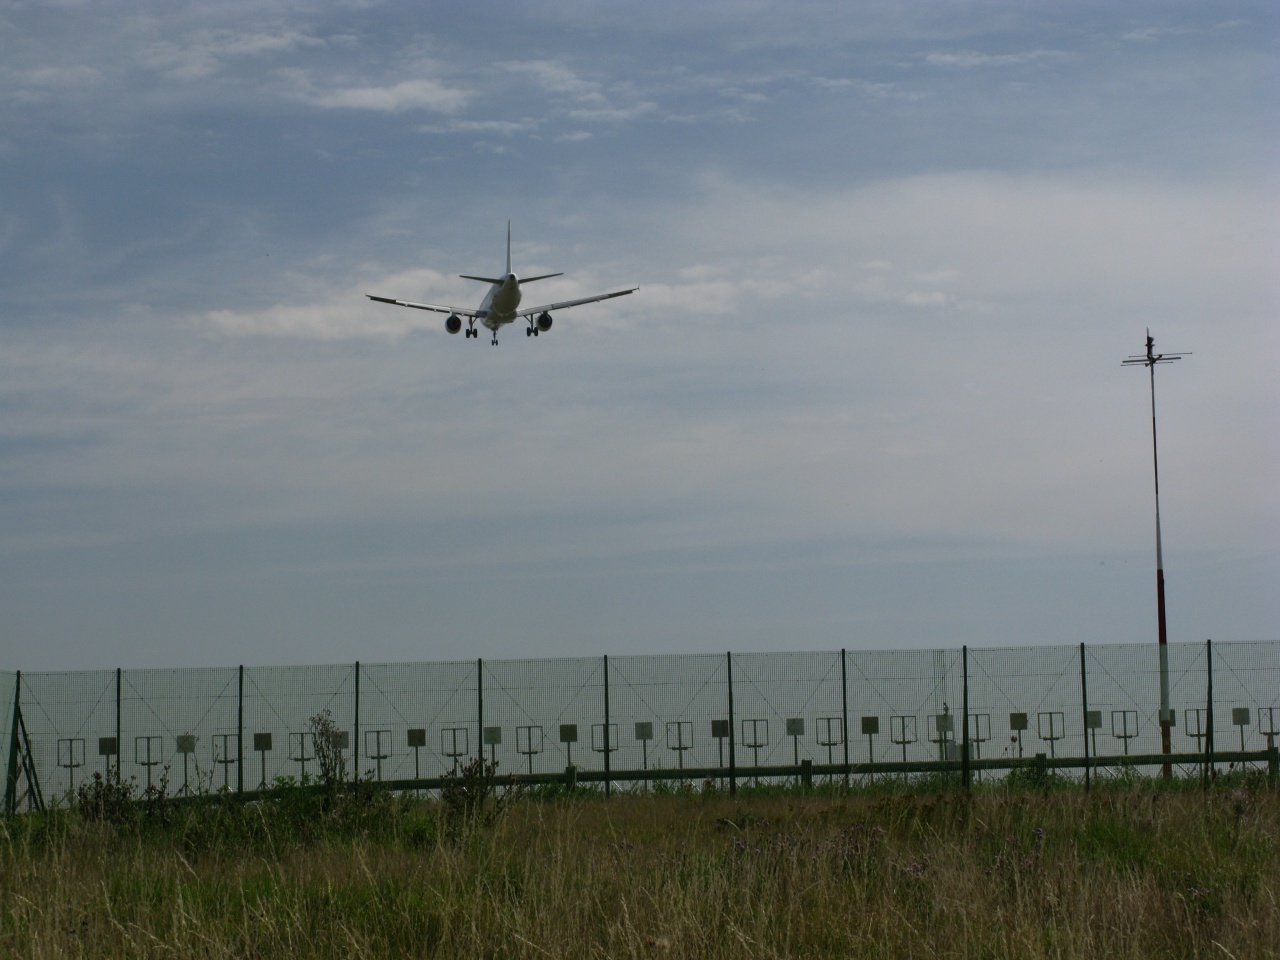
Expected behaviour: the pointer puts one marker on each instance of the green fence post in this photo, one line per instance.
(1208, 739)
(607, 745)
(844, 714)
(239, 734)
(1084, 712)
(964, 709)
(355, 746)
(733, 768)
(119, 737)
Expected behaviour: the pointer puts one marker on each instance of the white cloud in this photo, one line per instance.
(612, 114)
(502, 128)
(869, 90)
(45, 83)
(983, 238)
(557, 78)
(1154, 34)
(203, 53)
(925, 298)
(345, 312)
(586, 101)
(421, 94)
(967, 59)
(63, 76)
(694, 298)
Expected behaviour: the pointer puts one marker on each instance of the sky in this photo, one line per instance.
(868, 396)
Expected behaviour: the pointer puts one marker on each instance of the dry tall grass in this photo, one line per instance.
(1117, 873)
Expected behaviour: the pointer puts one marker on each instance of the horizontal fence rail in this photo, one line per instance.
(729, 718)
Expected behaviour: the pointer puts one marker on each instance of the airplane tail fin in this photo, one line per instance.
(499, 281)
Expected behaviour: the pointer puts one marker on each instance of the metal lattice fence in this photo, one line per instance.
(632, 719)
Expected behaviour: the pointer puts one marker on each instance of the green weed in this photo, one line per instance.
(357, 872)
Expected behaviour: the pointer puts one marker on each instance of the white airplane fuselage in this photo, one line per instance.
(501, 302)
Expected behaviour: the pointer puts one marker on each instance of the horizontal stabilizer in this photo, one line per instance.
(499, 282)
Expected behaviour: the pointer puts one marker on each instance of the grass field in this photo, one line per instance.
(1133, 870)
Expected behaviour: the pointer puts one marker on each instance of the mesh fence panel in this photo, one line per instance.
(779, 701)
(168, 723)
(678, 697)
(71, 722)
(548, 712)
(1246, 695)
(279, 703)
(1124, 684)
(903, 694)
(1024, 701)
(408, 721)
(417, 719)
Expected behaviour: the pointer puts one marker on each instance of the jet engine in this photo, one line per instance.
(544, 322)
(454, 323)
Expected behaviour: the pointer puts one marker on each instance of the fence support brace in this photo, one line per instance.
(11, 777)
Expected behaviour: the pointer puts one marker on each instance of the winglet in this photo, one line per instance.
(508, 246)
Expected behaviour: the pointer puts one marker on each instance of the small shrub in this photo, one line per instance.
(469, 798)
(333, 763)
(107, 799)
(154, 803)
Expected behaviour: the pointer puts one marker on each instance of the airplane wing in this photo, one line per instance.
(548, 307)
(437, 307)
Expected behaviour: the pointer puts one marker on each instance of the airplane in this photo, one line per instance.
(501, 304)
